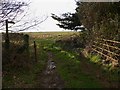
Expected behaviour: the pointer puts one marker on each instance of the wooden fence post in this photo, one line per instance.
(7, 41)
(35, 51)
(26, 42)
(7, 36)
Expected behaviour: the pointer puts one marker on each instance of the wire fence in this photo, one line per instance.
(18, 52)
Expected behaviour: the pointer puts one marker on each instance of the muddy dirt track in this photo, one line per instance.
(49, 78)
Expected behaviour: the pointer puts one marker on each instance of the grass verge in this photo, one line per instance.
(68, 66)
(26, 77)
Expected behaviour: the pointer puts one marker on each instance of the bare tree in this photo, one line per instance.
(16, 10)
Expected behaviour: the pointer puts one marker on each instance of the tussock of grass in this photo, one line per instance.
(94, 58)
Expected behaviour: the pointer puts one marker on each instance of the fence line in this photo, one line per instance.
(104, 48)
(107, 45)
(18, 41)
(109, 40)
(105, 55)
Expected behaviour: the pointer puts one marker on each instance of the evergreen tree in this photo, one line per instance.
(68, 21)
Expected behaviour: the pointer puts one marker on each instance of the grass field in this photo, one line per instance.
(75, 70)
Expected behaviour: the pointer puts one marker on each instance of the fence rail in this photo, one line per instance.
(107, 45)
(105, 55)
(113, 41)
(108, 49)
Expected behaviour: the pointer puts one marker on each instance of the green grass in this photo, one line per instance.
(70, 71)
(94, 58)
(112, 74)
(68, 66)
(26, 77)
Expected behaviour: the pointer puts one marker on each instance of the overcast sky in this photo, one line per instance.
(43, 8)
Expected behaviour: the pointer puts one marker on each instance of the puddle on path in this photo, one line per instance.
(50, 77)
